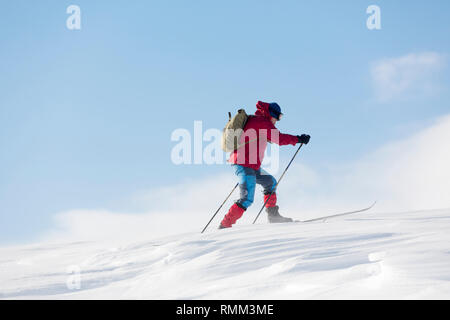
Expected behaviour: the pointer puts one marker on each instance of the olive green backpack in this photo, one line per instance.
(233, 131)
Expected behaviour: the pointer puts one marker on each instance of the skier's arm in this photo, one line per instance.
(282, 139)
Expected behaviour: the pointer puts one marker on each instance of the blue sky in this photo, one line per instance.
(86, 116)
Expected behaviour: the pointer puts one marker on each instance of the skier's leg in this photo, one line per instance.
(268, 182)
(247, 182)
(234, 213)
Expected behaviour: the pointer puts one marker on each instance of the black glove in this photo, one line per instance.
(304, 138)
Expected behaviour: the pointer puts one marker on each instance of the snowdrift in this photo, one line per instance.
(368, 255)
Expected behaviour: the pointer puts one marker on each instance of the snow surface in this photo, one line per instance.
(368, 255)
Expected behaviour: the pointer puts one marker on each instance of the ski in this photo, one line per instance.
(336, 215)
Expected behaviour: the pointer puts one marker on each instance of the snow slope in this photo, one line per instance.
(365, 256)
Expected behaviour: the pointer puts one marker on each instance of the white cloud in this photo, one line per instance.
(184, 207)
(410, 174)
(410, 75)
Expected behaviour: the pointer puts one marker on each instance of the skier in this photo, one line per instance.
(247, 160)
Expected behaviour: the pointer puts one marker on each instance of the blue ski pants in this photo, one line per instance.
(248, 178)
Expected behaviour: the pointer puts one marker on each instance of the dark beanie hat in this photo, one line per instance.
(275, 110)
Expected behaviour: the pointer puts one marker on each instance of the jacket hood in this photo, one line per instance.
(262, 109)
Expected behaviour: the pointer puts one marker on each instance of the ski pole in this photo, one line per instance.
(220, 207)
(279, 180)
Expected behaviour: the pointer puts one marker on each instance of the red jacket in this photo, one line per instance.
(257, 132)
